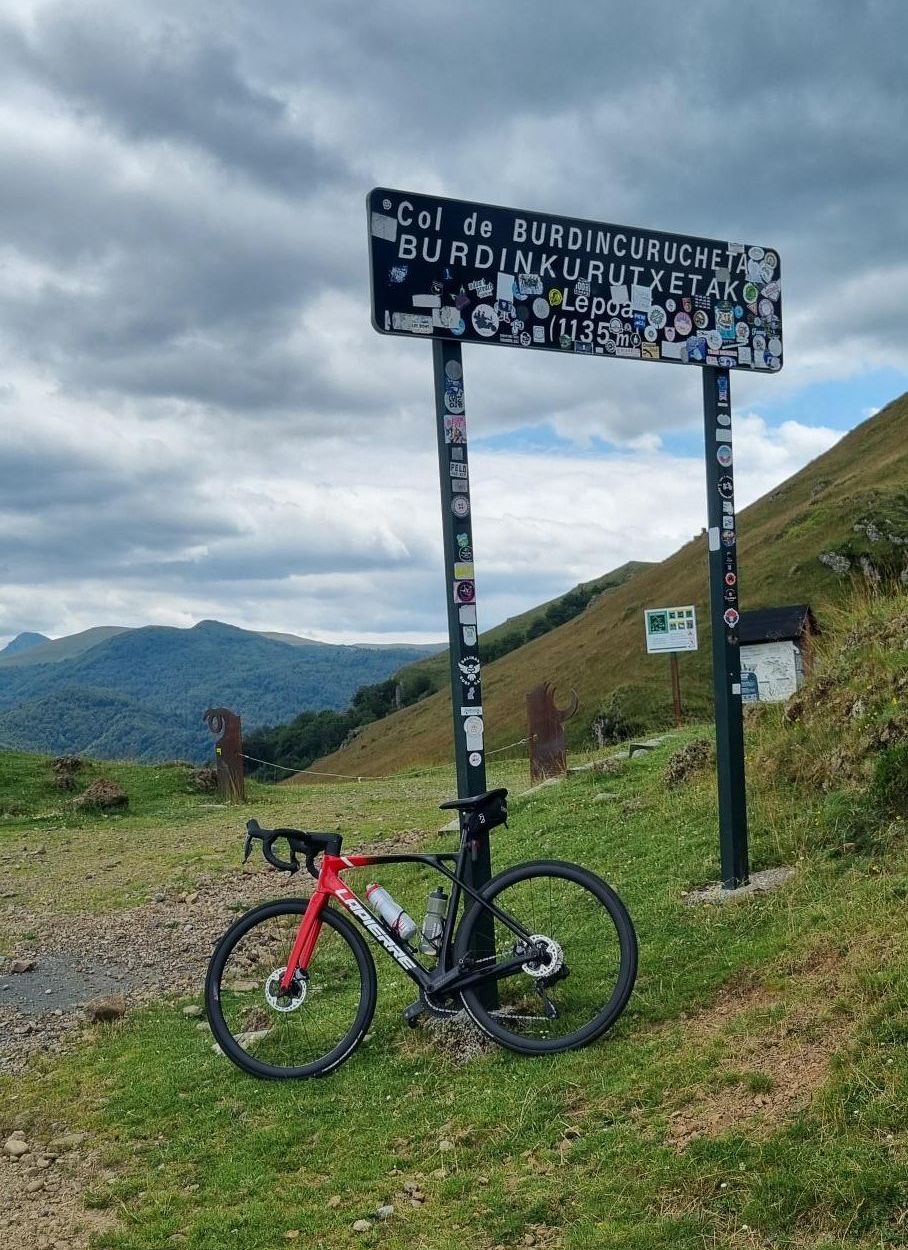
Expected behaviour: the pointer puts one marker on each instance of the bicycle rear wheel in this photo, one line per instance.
(315, 1027)
(580, 969)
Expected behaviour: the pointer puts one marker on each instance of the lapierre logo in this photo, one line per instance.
(367, 919)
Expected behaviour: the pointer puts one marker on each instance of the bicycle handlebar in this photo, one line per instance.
(296, 840)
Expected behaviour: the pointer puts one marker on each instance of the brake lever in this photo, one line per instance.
(253, 831)
(282, 865)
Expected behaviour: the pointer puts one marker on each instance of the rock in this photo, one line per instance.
(361, 1226)
(292, 1234)
(334, 1202)
(18, 966)
(110, 1007)
(384, 1212)
(16, 1147)
(242, 987)
(104, 795)
(193, 1011)
(251, 1038)
(68, 1141)
(445, 1145)
(192, 898)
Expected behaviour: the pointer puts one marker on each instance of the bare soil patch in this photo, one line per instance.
(772, 1047)
(41, 1195)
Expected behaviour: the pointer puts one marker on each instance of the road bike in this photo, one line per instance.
(542, 958)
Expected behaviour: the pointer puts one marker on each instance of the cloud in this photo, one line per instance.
(198, 419)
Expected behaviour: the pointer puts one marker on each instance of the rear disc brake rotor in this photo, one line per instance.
(548, 961)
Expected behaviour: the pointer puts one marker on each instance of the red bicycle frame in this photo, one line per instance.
(441, 979)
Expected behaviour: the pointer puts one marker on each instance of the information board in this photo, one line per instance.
(453, 269)
(670, 629)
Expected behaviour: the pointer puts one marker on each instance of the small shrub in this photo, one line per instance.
(690, 759)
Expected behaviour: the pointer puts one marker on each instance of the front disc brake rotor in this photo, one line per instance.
(286, 1000)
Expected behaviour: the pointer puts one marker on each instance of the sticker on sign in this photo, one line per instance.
(670, 629)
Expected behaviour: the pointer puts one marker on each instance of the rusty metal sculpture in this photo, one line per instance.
(548, 752)
(228, 752)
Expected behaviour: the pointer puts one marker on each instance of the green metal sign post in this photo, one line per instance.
(724, 617)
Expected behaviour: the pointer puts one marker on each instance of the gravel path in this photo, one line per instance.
(158, 950)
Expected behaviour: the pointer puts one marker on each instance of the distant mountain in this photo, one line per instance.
(141, 693)
(53, 650)
(23, 642)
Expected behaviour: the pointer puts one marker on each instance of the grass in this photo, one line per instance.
(753, 1094)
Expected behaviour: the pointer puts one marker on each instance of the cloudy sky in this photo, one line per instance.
(197, 417)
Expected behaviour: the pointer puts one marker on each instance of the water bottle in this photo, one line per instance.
(434, 923)
(394, 916)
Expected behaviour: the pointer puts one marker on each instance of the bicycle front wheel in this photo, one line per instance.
(581, 960)
(311, 1029)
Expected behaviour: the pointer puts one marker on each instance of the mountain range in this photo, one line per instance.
(141, 693)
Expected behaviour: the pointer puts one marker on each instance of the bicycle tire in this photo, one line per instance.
(494, 1022)
(216, 992)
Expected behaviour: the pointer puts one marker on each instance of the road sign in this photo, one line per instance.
(453, 271)
(468, 272)
(670, 629)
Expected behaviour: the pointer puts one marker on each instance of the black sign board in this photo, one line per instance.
(455, 270)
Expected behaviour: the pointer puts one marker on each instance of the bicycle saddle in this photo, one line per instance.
(476, 801)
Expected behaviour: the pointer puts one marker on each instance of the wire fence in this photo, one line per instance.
(314, 772)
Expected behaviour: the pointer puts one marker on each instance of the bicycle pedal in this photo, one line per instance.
(412, 1013)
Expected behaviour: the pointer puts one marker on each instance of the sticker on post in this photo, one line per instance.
(467, 614)
(731, 617)
(475, 758)
(454, 397)
(472, 728)
(465, 591)
(724, 455)
(455, 430)
(462, 570)
(469, 676)
(460, 506)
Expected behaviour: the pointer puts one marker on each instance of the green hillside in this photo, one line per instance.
(141, 693)
(296, 744)
(849, 505)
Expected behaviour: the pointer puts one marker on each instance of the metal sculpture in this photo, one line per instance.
(548, 751)
(228, 752)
